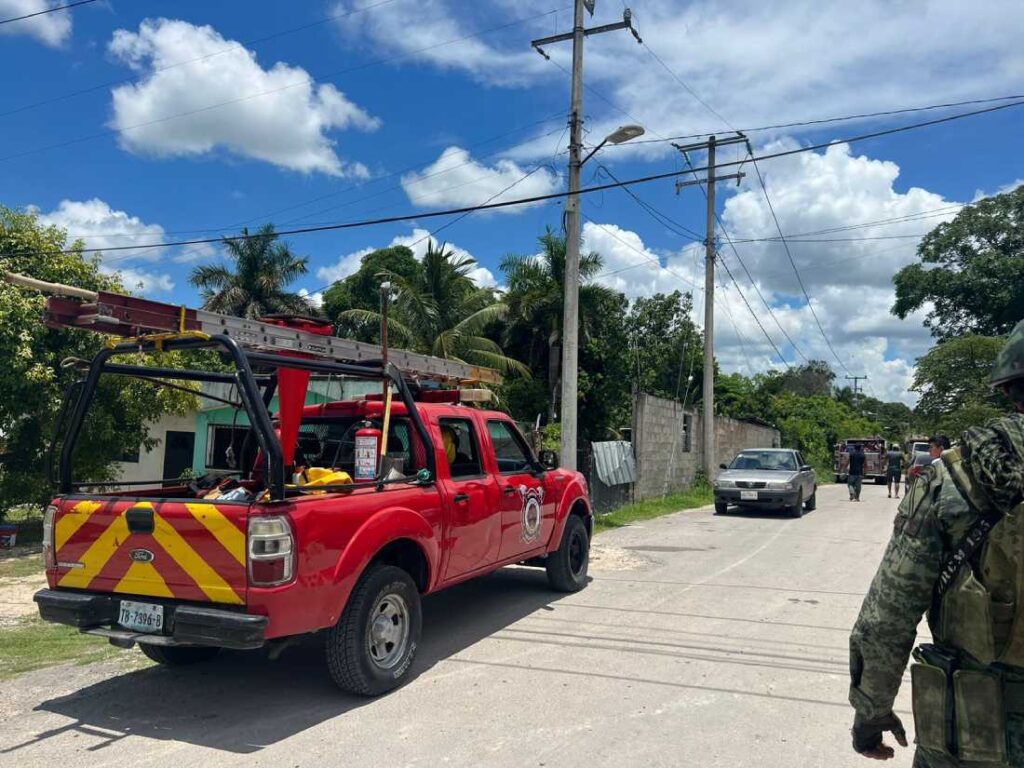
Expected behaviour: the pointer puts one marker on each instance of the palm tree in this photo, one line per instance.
(440, 310)
(536, 287)
(256, 287)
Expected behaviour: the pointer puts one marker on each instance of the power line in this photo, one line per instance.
(48, 10)
(792, 261)
(297, 84)
(840, 119)
(556, 195)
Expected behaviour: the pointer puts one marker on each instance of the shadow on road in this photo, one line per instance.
(243, 702)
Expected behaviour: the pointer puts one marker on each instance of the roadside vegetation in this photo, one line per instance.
(700, 495)
(34, 644)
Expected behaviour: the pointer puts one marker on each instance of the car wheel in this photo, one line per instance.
(178, 655)
(372, 647)
(812, 501)
(797, 510)
(839, 478)
(567, 566)
(721, 507)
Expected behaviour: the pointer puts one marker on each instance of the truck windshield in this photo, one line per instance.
(776, 460)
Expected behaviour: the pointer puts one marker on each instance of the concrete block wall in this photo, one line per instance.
(664, 465)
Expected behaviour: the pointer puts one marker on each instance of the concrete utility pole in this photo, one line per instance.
(708, 396)
(856, 389)
(570, 310)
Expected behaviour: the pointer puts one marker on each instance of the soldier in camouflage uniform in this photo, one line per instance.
(968, 688)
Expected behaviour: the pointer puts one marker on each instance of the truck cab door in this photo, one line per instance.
(473, 535)
(527, 508)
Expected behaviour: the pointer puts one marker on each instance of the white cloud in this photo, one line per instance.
(100, 226)
(316, 299)
(53, 29)
(437, 23)
(634, 269)
(980, 193)
(141, 281)
(199, 92)
(755, 63)
(345, 265)
(455, 179)
(205, 252)
(417, 241)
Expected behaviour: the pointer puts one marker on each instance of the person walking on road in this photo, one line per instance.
(893, 469)
(856, 471)
(957, 553)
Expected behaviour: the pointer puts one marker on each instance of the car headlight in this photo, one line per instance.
(780, 485)
(725, 483)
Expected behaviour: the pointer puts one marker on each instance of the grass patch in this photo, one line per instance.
(34, 644)
(29, 519)
(16, 567)
(646, 510)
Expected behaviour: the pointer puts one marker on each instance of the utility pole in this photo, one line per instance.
(856, 389)
(708, 396)
(570, 310)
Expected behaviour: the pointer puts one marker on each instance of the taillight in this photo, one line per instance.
(49, 556)
(271, 551)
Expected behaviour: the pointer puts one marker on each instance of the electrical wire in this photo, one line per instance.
(792, 262)
(555, 195)
(64, 7)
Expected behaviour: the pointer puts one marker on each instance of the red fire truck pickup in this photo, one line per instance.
(347, 514)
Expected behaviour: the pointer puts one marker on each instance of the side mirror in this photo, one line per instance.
(722, 466)
(806, 468)
(548, 459)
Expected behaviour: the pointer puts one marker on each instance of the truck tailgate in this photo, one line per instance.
(173, 549)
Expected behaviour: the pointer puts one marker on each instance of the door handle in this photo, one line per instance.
(461, 498)
(508, 490)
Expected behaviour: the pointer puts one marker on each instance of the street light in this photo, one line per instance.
(571, 308)
(620, 135)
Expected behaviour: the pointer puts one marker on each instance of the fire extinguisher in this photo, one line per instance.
(367, 448)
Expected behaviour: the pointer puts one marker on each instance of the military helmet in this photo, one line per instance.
(1009, 363)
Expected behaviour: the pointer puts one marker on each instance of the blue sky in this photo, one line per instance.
(232, 114)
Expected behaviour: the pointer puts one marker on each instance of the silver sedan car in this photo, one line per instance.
(767, 478)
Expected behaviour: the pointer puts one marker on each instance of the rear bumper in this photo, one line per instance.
(183, 624)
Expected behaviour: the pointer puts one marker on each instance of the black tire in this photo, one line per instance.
(797, 510)
(350, 657)
(839, 478)
(812, 503)
(178, 655)
(721, 507)
(567, 566)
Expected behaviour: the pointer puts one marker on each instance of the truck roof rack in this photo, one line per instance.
(134, 318)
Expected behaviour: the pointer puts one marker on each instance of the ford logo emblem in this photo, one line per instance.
(142, 556)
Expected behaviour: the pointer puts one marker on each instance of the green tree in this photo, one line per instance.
(665, 347)
(536, 286)
(953, 381)
(815, 377)
(33, 382)
(441, 311)
(257, 285)
(971, 271)
(361, 290)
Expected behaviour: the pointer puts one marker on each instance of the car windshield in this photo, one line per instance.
(764, 460)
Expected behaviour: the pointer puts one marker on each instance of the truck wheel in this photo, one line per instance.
(567, 566)
(812, 502)
(839, 478)
(178, 655)
(721, 507)
(372, 647)
(797, 510)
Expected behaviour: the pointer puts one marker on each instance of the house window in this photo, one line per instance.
(221, 438)
(687, 432)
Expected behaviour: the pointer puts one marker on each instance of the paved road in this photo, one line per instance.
(702, 641)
